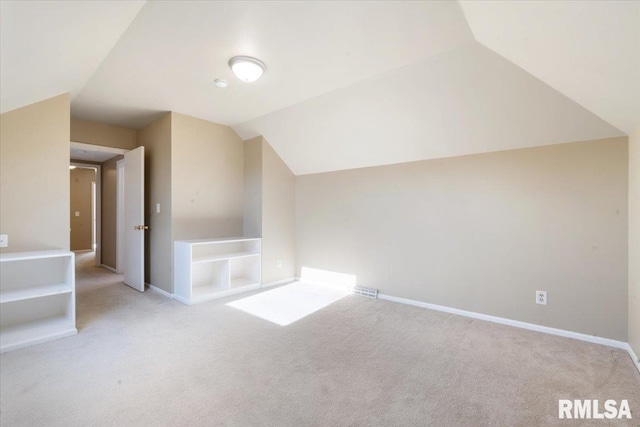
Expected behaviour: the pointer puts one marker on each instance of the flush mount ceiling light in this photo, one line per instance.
(221, 83)
(246, 68)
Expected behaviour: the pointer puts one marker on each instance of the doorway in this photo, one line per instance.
(84, 204)
(118, 205)
(103, 201)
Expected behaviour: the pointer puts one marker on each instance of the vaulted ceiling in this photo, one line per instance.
(348, 84)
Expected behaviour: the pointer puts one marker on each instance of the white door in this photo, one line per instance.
(134, 227)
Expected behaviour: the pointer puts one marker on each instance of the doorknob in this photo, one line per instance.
(140, 227)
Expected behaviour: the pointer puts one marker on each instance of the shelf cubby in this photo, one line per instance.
(206, 269)
(37, 298)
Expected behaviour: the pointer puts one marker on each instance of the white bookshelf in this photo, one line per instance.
(37, 298)
(206, 269)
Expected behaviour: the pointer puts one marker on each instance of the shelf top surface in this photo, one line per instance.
(218, 240)
(17, 256)
(223, 257)
(35, 292)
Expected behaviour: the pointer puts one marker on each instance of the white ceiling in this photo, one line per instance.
(348, 84)
(468, 100)
(52, 47)
(170, 55)
(588, 50)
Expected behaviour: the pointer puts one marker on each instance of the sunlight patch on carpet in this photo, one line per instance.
(289, 303)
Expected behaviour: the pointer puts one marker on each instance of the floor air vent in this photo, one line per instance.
(366, 292)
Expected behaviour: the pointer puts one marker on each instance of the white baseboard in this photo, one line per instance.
(111, 269)
(182, 300)
(159, 291)
(516, 323)
(278, 282)
(634, 356)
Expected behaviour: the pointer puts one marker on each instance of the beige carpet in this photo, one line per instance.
(145, 360)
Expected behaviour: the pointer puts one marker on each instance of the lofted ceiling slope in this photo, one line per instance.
(465, 101)
(348, 84)
(170, 55)
(588, 50)
(53, 47)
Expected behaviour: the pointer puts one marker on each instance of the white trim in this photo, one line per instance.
(120, 216)
(182, 300)
(98, 148)
(40, 340)
(278, 282)
(159, 291)
(516, 323)
(111, 269)
(98, 207)
(634, 356)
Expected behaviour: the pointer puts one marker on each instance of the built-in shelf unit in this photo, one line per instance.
(37, 298)
(206, 269)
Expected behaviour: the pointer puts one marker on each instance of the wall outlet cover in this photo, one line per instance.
(541, 297)
(4, 240)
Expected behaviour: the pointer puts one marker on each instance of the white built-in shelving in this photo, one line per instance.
(37, 297)
(206, 269)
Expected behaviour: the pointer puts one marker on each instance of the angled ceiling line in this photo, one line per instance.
(379, 76)
(113, 46)
(560, 92)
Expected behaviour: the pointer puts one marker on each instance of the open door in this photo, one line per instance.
(134, 227)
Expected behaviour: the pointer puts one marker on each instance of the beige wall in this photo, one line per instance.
(108, 236)
(80, 192)
(34, 175)
(269, 190)
(634, 241)
(278, 217)
(483, 232)
(194, 169)
(156, 139)
(101, 134)
(206, 179)
(252, 221)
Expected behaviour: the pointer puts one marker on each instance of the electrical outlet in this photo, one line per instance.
(541, 297)
(77, 213)
(4, 240)
(279, 263)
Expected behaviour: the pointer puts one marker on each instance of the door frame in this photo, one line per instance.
(98, 205)
(102, 149)
(120, 216)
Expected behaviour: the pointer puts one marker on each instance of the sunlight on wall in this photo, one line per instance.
(328, 278)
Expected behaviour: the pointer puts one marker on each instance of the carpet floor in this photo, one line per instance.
(141, 359)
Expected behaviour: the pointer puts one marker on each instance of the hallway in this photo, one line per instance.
(89, 276)
(102, 298)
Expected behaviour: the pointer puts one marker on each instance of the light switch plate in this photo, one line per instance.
(4, 240)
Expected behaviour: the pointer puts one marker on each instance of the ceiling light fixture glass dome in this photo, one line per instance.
(246, 68)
